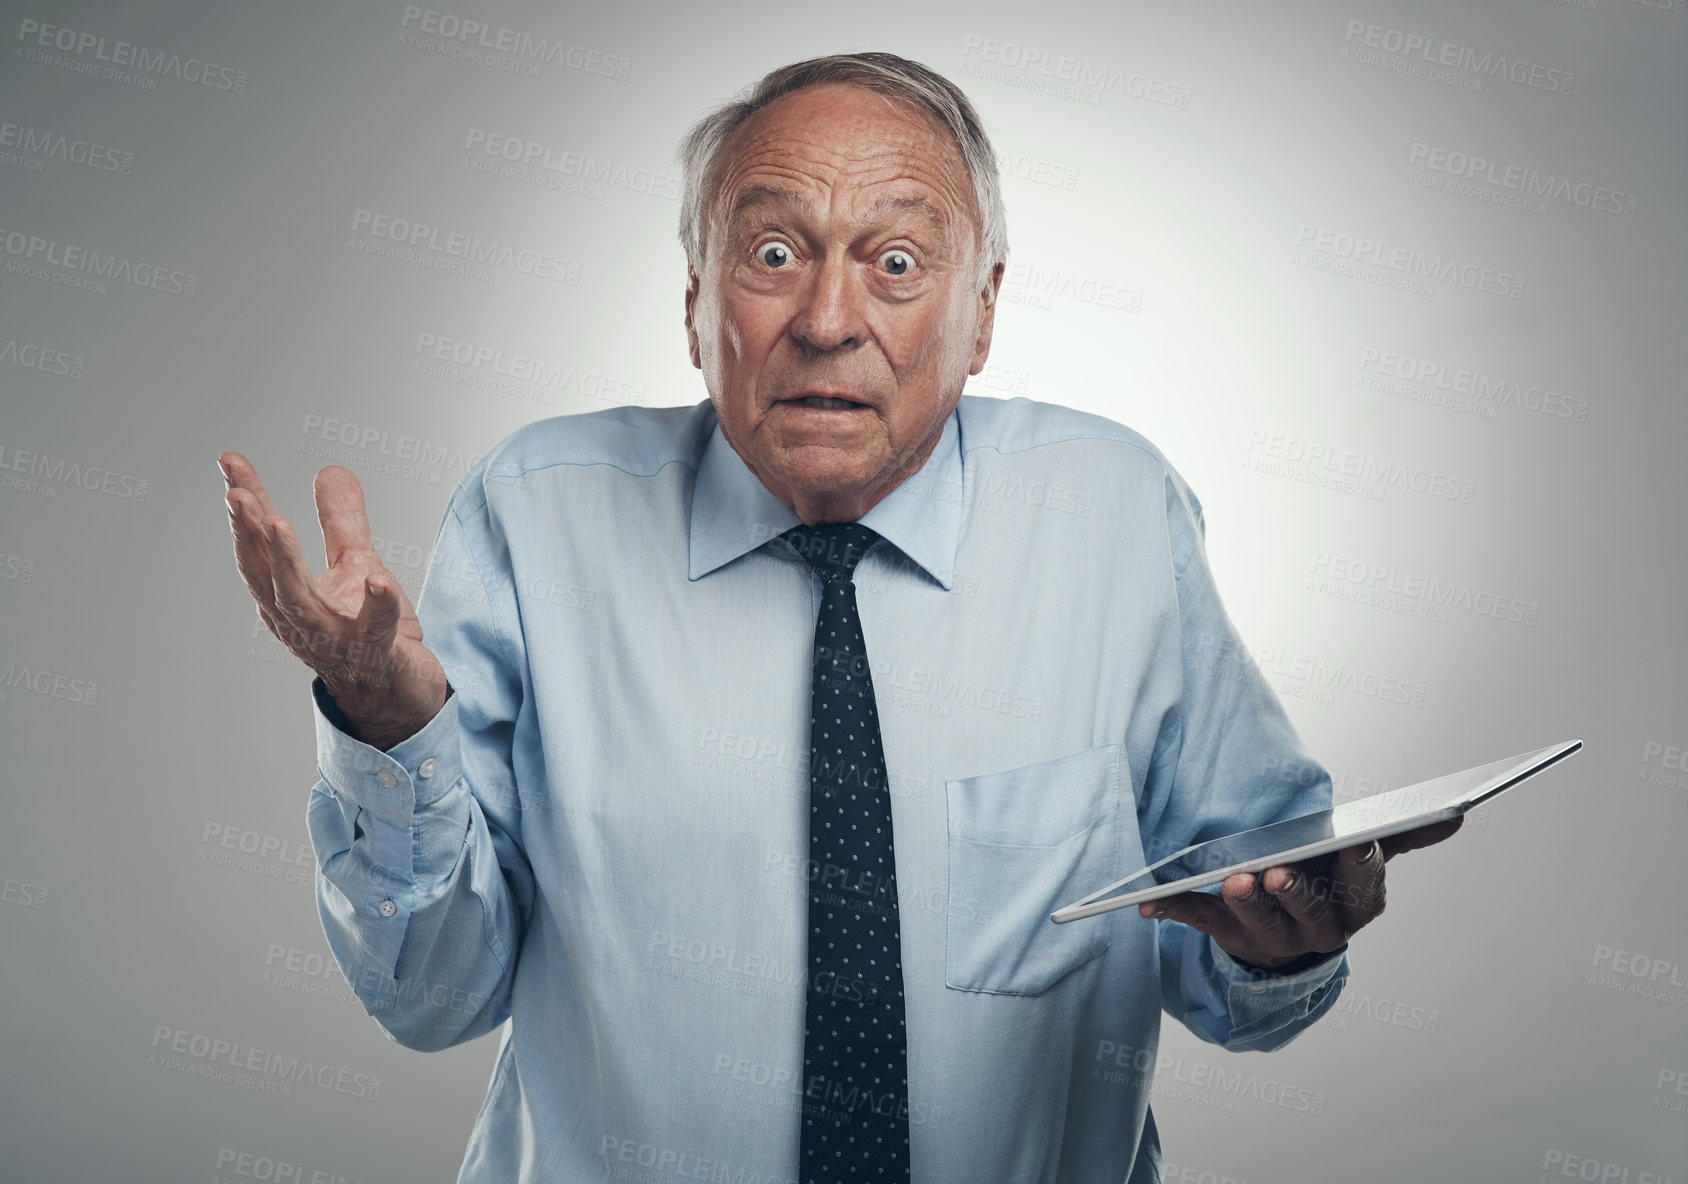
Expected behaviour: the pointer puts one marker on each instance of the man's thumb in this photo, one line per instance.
(378, 618)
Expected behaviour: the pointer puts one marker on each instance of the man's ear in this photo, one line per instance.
(691, 329)
(987, 318)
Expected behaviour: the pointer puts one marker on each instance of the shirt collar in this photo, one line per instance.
(733, 513)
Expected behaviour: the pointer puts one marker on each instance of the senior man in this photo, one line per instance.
(737, 753)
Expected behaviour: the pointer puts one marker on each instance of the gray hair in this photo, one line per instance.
(883, 73)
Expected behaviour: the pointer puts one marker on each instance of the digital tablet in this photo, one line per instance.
(1292, 839)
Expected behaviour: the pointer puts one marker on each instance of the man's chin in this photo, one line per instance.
(819, 476)
(826, 483)
(828, 456)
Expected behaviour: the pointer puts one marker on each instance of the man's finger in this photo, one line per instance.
(251, 549)
(239, 474)
(1357, 885)
(1256, 910)
(341, 513)
(1307, 898)
(378, 616)
(1424, 836)
(270, 622)
(1198, 910)
(296, 597)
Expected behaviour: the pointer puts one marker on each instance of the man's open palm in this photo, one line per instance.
(353, 624)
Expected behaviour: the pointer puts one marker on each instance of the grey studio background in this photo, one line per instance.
(1398, 288)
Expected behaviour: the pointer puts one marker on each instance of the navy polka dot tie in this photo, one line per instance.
(855, 1049)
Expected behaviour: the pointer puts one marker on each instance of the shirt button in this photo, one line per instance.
(427, 767)
(388, 908)
(385, 777)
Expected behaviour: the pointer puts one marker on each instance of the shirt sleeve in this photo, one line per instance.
(1226, 759)
(422, 884)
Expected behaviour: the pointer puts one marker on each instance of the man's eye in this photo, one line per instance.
(897, 262)
(774, 254)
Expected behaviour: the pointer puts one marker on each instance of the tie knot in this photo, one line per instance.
(832, 548)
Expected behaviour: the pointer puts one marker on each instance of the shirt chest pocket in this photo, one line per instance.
(1022, 843)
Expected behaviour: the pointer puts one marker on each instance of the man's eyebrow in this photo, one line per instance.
(919, 205)
(755, 195)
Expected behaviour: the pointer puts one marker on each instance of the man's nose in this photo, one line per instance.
(831, 314)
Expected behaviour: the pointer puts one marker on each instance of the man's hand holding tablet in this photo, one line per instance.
(1297, 912)
(1295, 890)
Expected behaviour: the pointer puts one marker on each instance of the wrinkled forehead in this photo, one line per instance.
(872, 155)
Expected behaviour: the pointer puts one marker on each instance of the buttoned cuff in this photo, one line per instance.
(390, 785)
(1260, 998)
(366, 848)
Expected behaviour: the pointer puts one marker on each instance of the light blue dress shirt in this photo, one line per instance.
(600, 842)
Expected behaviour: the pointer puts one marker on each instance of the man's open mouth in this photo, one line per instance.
(827, 401)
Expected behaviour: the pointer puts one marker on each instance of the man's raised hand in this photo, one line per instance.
(353, 624)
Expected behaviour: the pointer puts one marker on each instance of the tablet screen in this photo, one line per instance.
(1261, 843)
(1349, 824)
